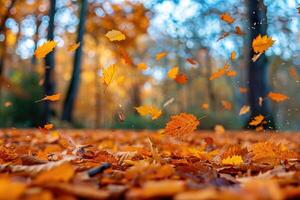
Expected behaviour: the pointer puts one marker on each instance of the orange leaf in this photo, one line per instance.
(231, 73)
(277, 97)
(233, 55)
(73, 47)
(160, 55)
(48, 126)
(261, 44)
(181, 79)
(11, 190)
(257, 120)
(44, 49)
(149, 110)
(191, 61)
(244, 109)
(142, 66)
(54, 97)
(220, 72)
(173, 72)
(226, 105)
(226, 18)
(293, 72)
(243, 90)
(182, 124)
(62, 173)
(238, 31)
(205, 106)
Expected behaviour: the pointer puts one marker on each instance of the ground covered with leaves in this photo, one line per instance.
(68, 164)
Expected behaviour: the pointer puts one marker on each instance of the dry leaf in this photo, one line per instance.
(231, 73)
(73, 47)
(160, 55)
(191, 61)
(219, 129)
(262, 44)
(226, 18)
(233, 160)
(54, 97)
(226, 105)
(149, 110)
(220, 72)
(205, 106)
(278, 97)
(61, 173)
(233, 55)
(173, 72)
(182, 124)
(142, 66)
(109, 74)
(244, 109)
(44, 49)
(257, 120)
(238, 31)
(181, 79)
(224, 35)
(115, 35)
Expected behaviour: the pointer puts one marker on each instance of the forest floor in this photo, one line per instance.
(89, 164)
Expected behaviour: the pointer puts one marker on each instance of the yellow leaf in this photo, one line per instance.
(44, 49)
(232, 55)
(277, 97)
(149, 110)
(11, 190)
(182, 124)
(109, 74)
(262, 44)
(160, 55)
(172, 73)
(142, 66)
(244, 109)
(226, 18)
(73, 47)
(62, 173)
(233, 160)
(115, 35)
(54, 97)
(257, 120)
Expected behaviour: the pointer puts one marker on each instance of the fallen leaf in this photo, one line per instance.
(61, 173)
(142, 66)
(160, 55)
(11, 190)
(226, 18)
(44, 49)
(244, 109)
(181, 124)
(257, 120)
(233, 160)
(149, 110)
(73, 47)
(115, 35)
(181, 79)
(278, 97)
(261, 44)
(173, 72)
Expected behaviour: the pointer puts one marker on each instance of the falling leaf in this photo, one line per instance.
(61, 173)
(262, 44)
(226, 18)
(260, 101)
(11, 190)
(149, 110)
(233, 55)
(256, 57)
(205, 106)
(226, 105)
(191, 61)
(181, 124)
(172, 73)
(243, 90)
(238, 31)
(73, 47)
(257, 120)
(224, 35)
(169, 102)
(231, 73)
(44, 49)
(54, 97)
(278, 97)
(142, 66)
(48, 126)
(181, 79)
(109, 74)
(220, 72)
(233, 160)
(115, 35)
(244, 109)
(160, 55)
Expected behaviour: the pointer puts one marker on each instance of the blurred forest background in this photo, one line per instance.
(181, 28)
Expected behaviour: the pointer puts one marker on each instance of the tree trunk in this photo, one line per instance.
(257, 71)
(74, 84)
(49, 84)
